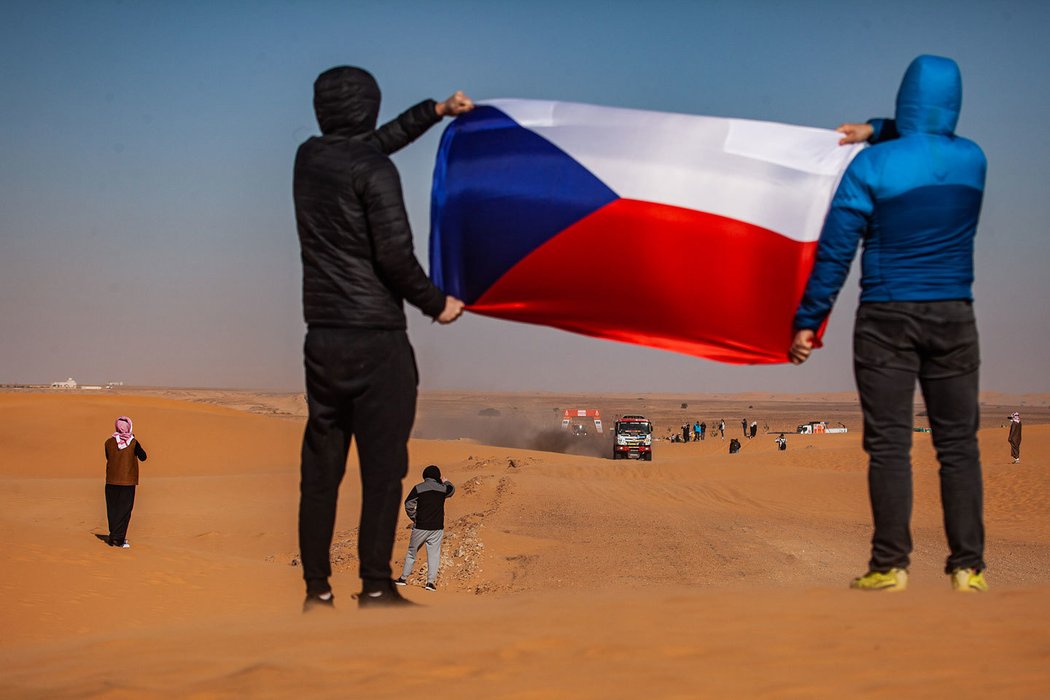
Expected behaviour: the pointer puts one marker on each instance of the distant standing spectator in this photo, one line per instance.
(703, 430)
(734, 446)
(1015, 437)
(754, 428)
(123, 454)
(685, 432)
(696, 431)
(425, 506)
(722, 428)
(782, 443)
(743, 424)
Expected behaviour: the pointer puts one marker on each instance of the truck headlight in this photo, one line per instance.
(648, 439)
(621, 440)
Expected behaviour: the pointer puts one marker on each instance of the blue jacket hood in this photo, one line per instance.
(930, 96)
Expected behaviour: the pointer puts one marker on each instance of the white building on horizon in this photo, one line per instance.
(68, 384)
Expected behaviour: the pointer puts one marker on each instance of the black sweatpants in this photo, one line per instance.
(935, 343)
(360, 384)
(119, 502)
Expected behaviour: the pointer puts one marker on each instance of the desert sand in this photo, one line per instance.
(697, 575)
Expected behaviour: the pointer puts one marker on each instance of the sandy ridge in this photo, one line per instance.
(698, 575)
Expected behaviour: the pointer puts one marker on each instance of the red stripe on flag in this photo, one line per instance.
(636, 272)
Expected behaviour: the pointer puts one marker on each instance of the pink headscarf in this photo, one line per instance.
(123, 435)
(1016, 417)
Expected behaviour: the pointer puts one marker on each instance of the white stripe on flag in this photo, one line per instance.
(777, 176)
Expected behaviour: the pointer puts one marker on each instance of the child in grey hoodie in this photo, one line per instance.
(425, 506)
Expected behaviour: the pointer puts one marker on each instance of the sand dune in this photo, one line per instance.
(701, 574)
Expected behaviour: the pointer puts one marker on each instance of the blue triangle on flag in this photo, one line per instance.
(500, 191)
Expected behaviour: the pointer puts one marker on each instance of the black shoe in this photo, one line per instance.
(400, 581)
(382, 597)
(315, 601)
(430, 587)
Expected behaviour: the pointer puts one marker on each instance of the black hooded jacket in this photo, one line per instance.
(358, 262)
(425, 503)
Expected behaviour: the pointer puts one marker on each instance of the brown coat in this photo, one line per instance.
(1015, 439)
(122, 466)
(1015, 433)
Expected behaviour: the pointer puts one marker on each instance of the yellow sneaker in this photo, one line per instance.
(892, 580)
(969, 581)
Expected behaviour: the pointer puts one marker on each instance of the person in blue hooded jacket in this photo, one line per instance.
(913, 199)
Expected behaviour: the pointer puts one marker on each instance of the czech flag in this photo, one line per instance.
(687, 233)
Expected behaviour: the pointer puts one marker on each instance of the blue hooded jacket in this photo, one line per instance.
(914, 198)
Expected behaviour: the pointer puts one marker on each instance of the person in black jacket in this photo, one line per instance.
(358, 269)
(425, 506)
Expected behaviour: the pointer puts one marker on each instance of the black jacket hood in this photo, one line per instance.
(346, 101)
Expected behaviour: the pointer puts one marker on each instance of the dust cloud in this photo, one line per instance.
(514, 431)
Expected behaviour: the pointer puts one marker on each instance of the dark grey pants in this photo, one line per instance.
(896, 344)
(119, 502)
(360, 384)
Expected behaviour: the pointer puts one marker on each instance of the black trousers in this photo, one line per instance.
(360, 384)
(896, 344)
(119, 502)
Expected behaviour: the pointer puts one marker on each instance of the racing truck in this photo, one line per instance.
(634, 438)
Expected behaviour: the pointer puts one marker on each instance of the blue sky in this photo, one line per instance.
(146, 226)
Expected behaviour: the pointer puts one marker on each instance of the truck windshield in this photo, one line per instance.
(633, 428)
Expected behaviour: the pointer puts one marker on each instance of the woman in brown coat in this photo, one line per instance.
(123, 453)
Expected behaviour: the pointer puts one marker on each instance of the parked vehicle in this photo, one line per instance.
(815, 427)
